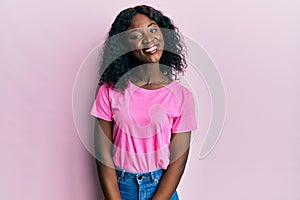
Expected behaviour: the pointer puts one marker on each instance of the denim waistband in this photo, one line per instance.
(154, 175)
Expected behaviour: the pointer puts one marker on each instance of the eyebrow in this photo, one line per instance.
(151, 24)
(133, 30)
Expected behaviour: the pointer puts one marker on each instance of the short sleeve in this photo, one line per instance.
(186, 121)
(102, 105)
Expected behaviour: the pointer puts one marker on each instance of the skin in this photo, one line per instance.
(143, 33)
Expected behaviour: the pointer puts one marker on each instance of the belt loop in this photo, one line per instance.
(152, 177)
(122, 175)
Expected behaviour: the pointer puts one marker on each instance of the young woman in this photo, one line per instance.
(145, 116)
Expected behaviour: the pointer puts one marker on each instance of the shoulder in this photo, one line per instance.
(105, 90)
(181, 90)
(106, 87)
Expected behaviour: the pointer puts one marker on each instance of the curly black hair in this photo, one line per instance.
(115, 63)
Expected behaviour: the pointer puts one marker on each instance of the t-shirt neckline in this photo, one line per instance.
(155, 90)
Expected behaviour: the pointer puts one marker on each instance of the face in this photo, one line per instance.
(146, 39)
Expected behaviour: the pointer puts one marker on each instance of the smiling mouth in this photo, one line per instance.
(153, 49)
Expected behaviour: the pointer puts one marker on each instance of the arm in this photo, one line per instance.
(179, 149)
(104, 161)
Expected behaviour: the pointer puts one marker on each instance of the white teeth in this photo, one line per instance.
(151, 49)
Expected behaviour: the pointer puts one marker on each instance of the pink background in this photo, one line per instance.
(254, 44)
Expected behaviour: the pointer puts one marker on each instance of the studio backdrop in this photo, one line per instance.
(243, 71)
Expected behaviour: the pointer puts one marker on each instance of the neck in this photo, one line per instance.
(149, 73)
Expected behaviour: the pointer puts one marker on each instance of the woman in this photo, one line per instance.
(145, 116)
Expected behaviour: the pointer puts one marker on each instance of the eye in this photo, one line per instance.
(135, 36)
(153, 30)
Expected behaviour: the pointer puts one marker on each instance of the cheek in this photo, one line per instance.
(161, 40)
(134, 45)
(162, 44)
(136, 54)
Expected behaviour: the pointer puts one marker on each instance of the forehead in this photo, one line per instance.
(140, 21)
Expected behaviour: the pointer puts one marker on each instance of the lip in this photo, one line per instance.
(151, 49)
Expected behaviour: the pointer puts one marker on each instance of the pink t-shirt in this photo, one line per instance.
(143, 121)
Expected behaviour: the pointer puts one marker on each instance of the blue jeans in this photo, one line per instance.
(140, 186)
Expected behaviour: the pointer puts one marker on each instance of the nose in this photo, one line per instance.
(147, 39)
